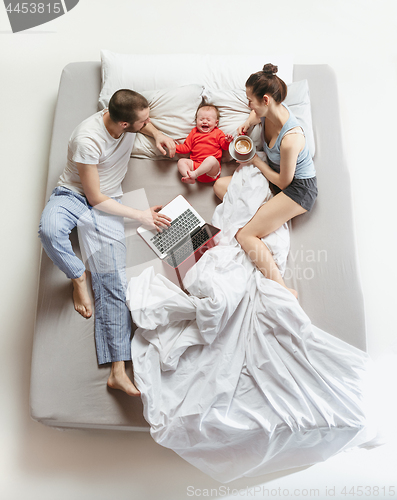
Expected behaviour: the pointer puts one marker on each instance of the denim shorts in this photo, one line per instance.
(302, 191)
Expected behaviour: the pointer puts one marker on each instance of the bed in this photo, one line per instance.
(68, 389)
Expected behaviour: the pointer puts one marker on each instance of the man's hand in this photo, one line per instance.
(163, 141)
(151, 219)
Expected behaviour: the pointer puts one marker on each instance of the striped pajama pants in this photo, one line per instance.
(102, 244)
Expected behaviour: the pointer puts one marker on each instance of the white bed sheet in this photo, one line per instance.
(235, 378)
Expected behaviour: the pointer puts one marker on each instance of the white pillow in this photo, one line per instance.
(234, 110)
(160, 71)
(172, 111)
(298, 99)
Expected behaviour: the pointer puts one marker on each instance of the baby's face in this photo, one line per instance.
(206, 120)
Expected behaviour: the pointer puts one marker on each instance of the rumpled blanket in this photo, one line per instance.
(234, 377)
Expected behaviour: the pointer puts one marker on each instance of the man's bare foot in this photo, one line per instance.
(81, 299)
(118, 379)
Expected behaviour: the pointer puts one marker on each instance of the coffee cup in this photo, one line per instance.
(242, 148)
(243, 145)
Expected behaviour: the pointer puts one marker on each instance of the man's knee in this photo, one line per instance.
(46, 228)
(49, 228)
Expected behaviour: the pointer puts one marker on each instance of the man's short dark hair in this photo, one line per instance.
(125, 104)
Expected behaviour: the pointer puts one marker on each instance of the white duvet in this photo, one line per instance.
(235, 378)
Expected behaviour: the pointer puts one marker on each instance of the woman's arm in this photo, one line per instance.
(252, 120)
(266, 170)
(290, 147)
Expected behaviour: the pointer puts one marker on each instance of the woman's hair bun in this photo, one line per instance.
(267, 82)
(270, 69)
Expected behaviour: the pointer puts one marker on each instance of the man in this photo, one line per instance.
(88, 196)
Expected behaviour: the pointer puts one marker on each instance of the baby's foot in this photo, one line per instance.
(188, 180)
(190, 177)
(81, 299)
(294, 292)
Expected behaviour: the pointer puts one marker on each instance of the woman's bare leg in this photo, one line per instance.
(267, 219)
(221, 185)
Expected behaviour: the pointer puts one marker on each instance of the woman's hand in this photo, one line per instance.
(249, 162)
(151, 219)
(252, 120)
(242, 129)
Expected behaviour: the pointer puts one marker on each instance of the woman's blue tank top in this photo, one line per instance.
(304, 164)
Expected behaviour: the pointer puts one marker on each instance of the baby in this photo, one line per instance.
(205, 144)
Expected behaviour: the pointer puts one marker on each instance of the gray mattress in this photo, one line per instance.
(68, 388)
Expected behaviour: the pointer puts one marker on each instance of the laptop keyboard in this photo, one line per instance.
(180, 227)
(191, 245)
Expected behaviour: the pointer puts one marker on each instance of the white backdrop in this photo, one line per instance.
(359, 40)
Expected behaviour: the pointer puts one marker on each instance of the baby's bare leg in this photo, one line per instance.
(185, 166)
(210, 166)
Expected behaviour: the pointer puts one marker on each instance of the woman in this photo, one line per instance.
(290, 170)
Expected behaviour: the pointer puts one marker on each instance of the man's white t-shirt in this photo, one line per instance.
(91, 144)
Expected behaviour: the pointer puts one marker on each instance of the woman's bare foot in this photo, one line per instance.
(81, 299)
(118, 379)
(190, 177)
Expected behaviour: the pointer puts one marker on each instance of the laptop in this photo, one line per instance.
(186, 240)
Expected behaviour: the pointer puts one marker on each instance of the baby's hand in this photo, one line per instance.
(229, 137)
